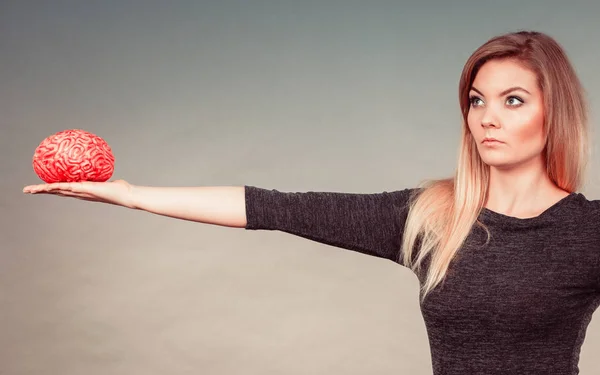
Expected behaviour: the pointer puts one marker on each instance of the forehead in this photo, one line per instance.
(497, 75)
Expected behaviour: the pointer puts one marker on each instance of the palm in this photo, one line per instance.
(113, 192)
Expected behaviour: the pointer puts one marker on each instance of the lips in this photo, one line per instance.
(489, 139)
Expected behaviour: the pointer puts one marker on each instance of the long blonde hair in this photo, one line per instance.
(443, 212)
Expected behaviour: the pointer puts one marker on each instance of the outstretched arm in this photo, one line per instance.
(368, 223)
(212, 205)
(218, 205)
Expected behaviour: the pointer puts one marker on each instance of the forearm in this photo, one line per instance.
(219, 205)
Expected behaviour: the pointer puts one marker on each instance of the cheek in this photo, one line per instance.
(531, 129)
(472, 122)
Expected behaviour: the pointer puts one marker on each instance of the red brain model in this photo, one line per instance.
(73, 156)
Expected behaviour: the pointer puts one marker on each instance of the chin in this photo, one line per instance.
(496, 162)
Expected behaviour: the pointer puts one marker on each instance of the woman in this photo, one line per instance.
(506, 252)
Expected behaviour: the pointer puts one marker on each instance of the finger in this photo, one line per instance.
(32, 189)
(55, 192)
(81, 196)
(66, 193)
(57, 186)
(62, 186)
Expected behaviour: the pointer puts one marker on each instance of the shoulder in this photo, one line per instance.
(585, 206)
(401, 199)
(584, 216)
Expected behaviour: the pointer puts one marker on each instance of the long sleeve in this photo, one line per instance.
(596, 205)
(372, 224)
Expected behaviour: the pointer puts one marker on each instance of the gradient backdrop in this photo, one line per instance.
(354, 96)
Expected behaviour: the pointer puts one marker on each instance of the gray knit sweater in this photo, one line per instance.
(519, 305)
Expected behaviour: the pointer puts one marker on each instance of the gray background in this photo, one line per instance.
(351, 96)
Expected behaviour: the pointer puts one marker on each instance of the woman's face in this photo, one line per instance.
(506, 104)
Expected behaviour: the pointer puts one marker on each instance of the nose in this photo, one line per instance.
(489, 119)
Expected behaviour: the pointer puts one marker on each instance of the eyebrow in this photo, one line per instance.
(515, 88)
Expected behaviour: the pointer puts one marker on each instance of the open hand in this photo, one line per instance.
(117, 192)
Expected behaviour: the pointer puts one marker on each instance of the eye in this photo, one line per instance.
(473, 100)
(514, 101)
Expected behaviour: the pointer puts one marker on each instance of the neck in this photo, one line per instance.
(524, 190)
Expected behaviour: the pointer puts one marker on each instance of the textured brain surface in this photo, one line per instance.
(72, 156)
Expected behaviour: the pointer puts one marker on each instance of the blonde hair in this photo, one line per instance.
(443, 212)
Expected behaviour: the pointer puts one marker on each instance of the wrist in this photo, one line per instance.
(132, 197)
